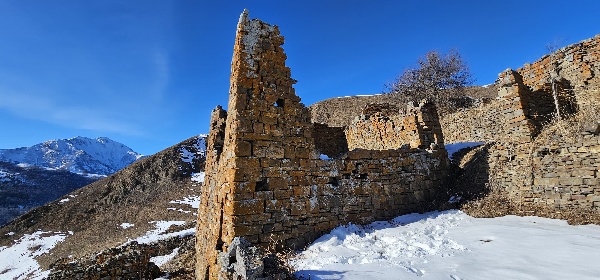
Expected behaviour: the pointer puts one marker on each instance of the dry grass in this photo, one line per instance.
(497, 204)
(572, 128)
(277, 262)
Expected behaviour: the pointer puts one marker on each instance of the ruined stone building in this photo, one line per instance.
(277, 179)
(560, 170)
(280, 181)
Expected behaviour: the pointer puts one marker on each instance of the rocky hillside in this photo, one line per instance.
(33, 176)
(82, 155)
(25, 187)
(154, 197)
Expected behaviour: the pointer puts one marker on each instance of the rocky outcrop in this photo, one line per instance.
(139, 195)
(130, 262)
(244, 261)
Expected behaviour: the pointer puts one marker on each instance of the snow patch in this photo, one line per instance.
(193, 201)
(187, 156)
(126, 225)
(198, 177)
(160, 232)
(18, 261)
(162, 260)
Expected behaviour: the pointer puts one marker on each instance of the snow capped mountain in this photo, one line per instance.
(82, 155)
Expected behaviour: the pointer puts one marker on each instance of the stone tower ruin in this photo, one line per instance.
(267, 179)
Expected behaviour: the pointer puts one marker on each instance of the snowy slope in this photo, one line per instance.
(18, 261)
(453, 245)
(80, 155)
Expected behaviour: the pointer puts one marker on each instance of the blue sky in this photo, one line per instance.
(147, 73)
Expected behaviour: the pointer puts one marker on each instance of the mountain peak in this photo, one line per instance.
(81, 155)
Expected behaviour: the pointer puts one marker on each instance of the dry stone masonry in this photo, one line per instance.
(563, 174)
(271, 180)
(380, 130)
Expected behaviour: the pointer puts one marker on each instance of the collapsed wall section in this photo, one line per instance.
(264, 178)
(380, 130)
(330, 141)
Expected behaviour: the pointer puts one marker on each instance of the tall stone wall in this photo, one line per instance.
(264, 178)
(563, 174)
(577, 64)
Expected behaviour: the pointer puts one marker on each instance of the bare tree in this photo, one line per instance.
(439, 77)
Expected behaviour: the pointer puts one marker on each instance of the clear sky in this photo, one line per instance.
(147, 73)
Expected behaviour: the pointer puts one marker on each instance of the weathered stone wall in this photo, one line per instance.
(505, 119)
(577, 64)
(129, 262)
(418, 128)
(566, 175)
(562, 174)
(265, 181)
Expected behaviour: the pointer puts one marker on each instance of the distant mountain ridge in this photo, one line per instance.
(23, 188)
(133, 202)
(81, 155)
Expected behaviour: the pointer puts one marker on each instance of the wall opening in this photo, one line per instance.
(279, 103)
(334, 181)
(261, 186)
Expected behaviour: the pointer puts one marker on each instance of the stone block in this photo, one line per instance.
(301, 191)
(571, 181)
(246, 230)
(280, 194)
(275, 151)
(248, 207)
(242, 149)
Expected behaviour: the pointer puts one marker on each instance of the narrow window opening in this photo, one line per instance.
(279, 103)
(261, 186)
(334, 181)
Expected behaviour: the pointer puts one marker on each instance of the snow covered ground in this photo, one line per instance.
(160, 233)
(434, 245)
(453, 245)
(18, 261)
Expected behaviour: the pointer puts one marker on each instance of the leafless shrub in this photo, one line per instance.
(585, 121)
(438, 77)
(278, 261)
